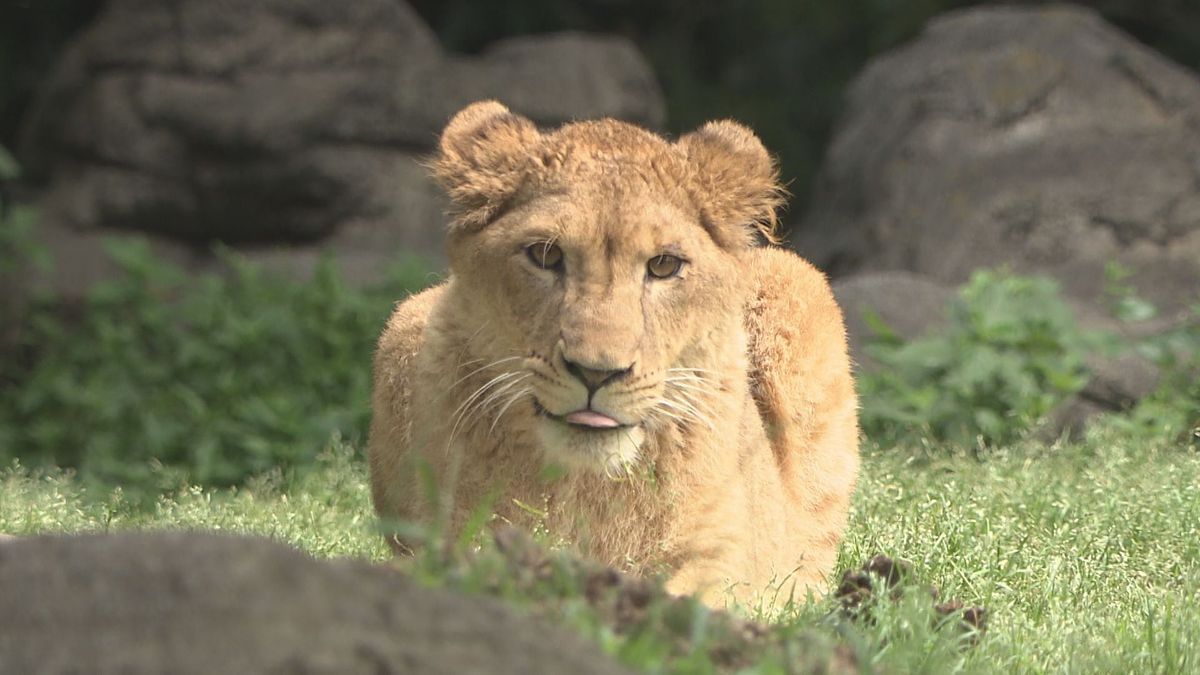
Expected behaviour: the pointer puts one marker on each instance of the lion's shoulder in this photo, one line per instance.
(403, 335)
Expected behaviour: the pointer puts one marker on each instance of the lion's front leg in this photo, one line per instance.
(708, 580)
(711, 557)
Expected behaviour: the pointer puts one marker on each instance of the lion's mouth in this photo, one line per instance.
(585, 419)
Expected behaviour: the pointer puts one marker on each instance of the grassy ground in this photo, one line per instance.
(1087, 556)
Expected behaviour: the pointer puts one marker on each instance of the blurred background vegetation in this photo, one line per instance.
(778, 65)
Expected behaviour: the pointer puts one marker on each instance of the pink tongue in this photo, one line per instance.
(590, 418)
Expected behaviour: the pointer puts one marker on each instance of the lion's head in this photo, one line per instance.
(609, 259)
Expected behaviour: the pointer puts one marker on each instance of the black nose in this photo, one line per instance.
(594, 378)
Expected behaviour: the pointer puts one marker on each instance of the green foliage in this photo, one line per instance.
(9, 169)
(220, 376)
(1012, 353)
(1123, 299)
(17, 248)
(1172, 411)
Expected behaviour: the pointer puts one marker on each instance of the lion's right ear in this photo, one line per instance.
(483, 156)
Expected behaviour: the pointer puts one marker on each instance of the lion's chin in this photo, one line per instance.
(609, 451)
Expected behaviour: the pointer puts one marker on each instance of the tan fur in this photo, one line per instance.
(740, 450)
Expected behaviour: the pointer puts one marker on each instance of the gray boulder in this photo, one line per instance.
(282, 120)
(1036, 137)
(203, 603)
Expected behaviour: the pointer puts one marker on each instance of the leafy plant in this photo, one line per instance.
(17, 247)
(1123, 299)
(16, 222)
(219, 376)
(1011, 354)
(9, 168)
(1172, 411)
(19, 255)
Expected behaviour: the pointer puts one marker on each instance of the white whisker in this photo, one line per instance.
(687, 410)
(496, 396)
(702, 371)
(471, 403)
(483, 389)
(691, 387)
(520, 393)
(659, 409)
(481, 368)
(694, 396)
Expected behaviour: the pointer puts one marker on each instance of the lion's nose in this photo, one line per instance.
(594, 378)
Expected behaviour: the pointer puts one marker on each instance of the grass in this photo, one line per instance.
(325, 511)
(1086, 555)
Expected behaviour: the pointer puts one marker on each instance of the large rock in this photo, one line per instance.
(282, 120)
(198, 603)
(1036, 137)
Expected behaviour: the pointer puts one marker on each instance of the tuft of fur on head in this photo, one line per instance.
(737, 181)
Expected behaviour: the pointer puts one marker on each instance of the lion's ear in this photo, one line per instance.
(481, 160)
(736, 182)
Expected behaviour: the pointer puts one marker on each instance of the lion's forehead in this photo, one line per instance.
(607, 223)
(612, 153)
(634, 201)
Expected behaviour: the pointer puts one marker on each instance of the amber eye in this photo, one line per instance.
(664, 266)
(545, 254)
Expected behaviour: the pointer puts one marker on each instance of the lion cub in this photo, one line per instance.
(610, 313)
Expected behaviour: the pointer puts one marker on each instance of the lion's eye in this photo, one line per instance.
(545, 254)
(664, 266)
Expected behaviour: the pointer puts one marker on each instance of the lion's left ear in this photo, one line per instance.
(736, 182)
(482, 159)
